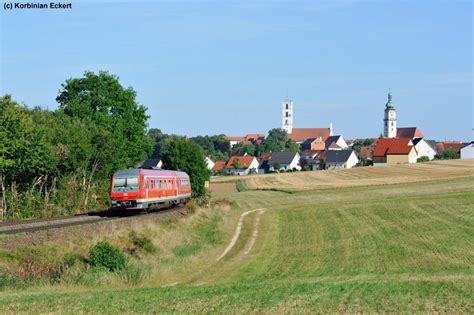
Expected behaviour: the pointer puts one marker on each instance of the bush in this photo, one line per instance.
(450, 154)
(141, 242)
(423, 159)
(105, 255)
(240, 186)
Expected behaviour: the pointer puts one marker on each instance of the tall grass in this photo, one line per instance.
(67, 195)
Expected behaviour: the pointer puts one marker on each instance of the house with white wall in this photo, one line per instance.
(336, 159)
(234, 140)
(242, 165)
(467, 152)
(280, 161)
(338, 140)
(423, 148)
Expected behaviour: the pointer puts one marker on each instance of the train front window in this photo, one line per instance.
(126, 184)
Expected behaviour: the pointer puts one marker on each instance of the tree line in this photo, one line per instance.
(60, 162)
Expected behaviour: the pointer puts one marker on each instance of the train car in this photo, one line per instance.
(145, 188)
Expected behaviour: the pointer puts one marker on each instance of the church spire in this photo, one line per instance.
(389, 102)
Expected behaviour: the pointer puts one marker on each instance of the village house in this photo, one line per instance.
(394, 151)
(340, 159)
(218, 165)
(339, 142)
(234, 140)
(467, 152)
(299, 135)
(284, 161)
(152, 164)
(242, 165)
(263, 167)
(333, 146)
(309, 156)
(251, 138)
(409, 132)
(313, 144)
(423, 148)
(255, 138)
(318, 162)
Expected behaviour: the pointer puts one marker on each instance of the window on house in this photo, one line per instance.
(287, 106)
(286, 114)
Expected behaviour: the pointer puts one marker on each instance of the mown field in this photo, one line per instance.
(403, 173)
(401, 241)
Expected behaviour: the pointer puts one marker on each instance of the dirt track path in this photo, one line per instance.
(235, 237)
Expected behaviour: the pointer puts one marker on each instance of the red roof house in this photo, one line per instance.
(299, 135)
(254, 136)
(410, 132)
(313, 144)
(394, 151)
(218, 165)
(246, 163)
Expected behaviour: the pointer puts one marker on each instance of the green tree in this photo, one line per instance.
(362, 143)
(291, 146)
(25, 154)
(24, 151)
(178, 153)
(236, 163)
(450, 154)
(157, 138)
(277, 141)
(242, 149)
(101, 98)
(216, 147)
(219, 156)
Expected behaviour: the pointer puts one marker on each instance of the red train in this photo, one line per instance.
(144, 188)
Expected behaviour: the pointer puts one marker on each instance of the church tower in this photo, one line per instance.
(287, 115)
(390, 120)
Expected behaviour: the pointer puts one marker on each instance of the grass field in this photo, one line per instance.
(388, 239)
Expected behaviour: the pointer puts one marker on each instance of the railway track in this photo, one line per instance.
(64, 221)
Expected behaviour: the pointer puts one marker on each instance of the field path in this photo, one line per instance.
(235, 237)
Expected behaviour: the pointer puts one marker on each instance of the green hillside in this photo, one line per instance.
(382, 247)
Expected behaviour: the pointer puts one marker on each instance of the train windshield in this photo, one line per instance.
(126, 184)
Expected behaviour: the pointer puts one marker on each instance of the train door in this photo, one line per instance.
(146, 184)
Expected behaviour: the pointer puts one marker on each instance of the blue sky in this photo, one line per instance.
(225, 67)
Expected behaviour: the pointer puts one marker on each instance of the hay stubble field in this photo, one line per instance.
(388, 239)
